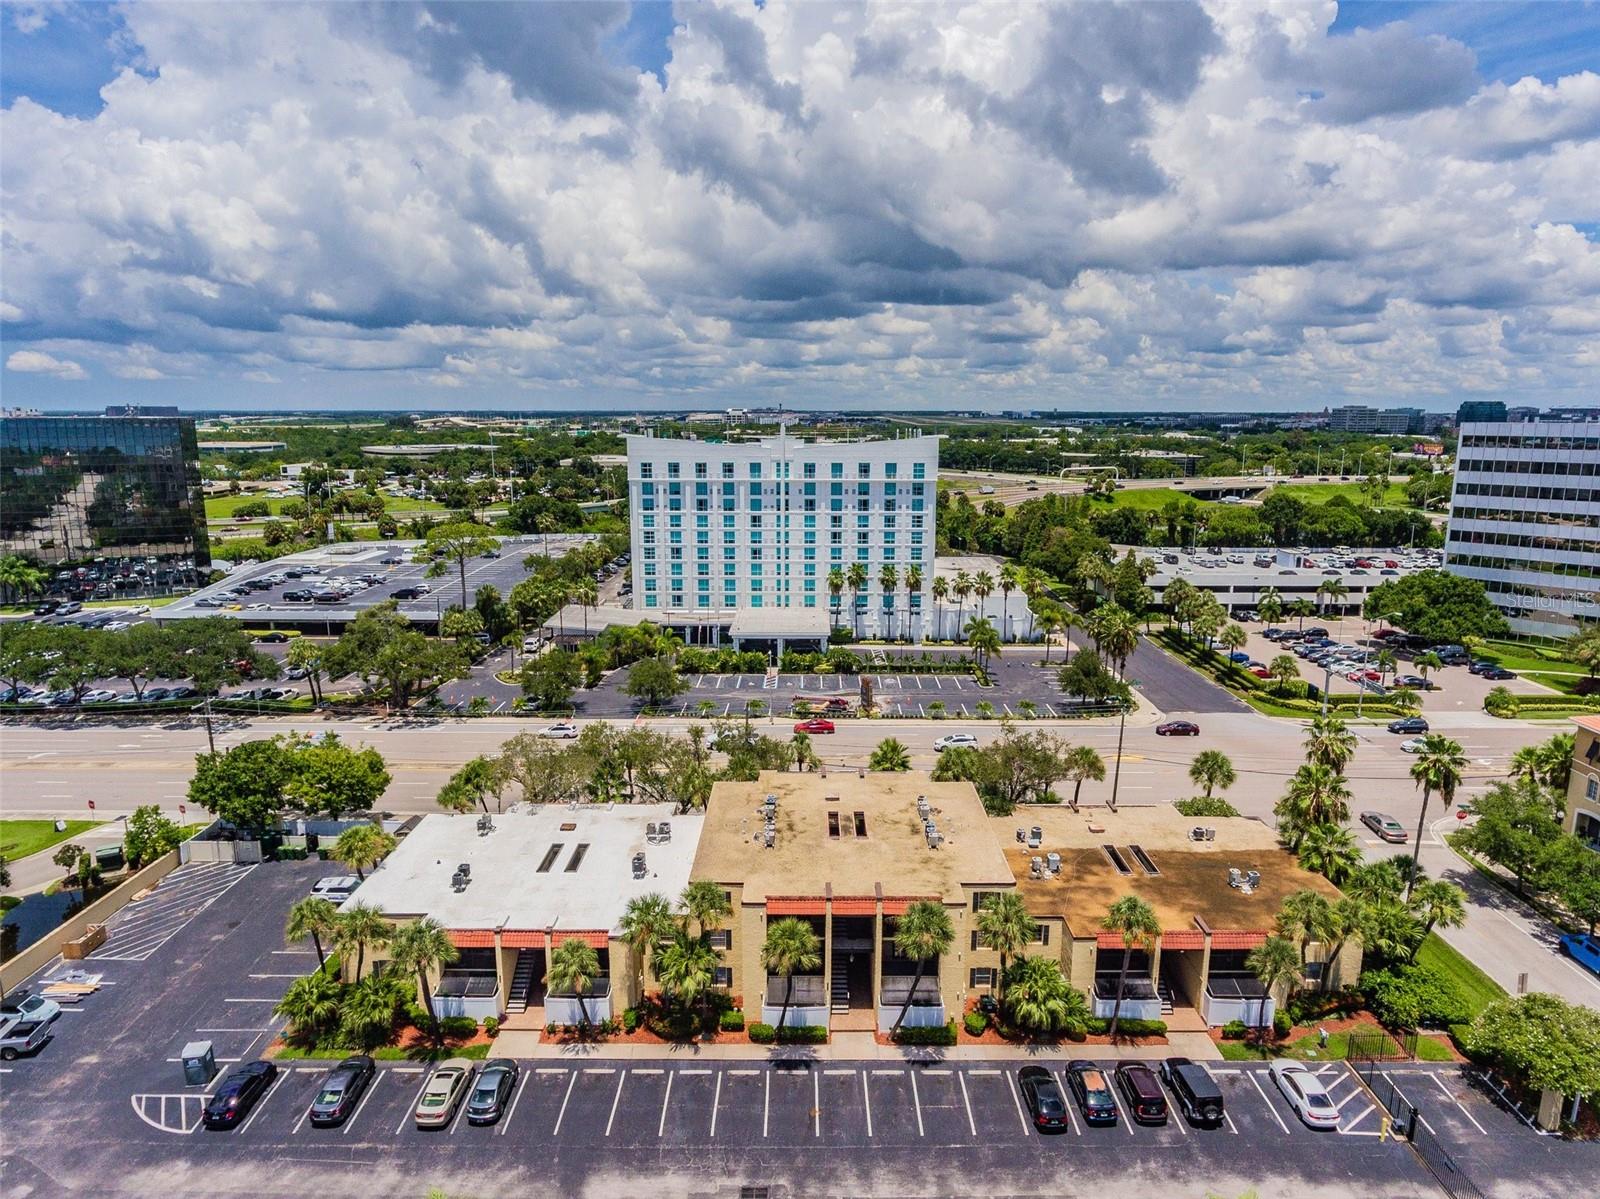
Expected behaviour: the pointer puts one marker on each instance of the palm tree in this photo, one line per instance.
(941, 592)
(573, 967)
(1270, 609)
(1438, 767)
(1438, 902)
(1136, 921)
(1316, 795)
(1032, 592)
(1079, 763)
(792, 945)
(1118, 636)
(19, 577)
(1233, 638)
(1284, 669)
(1005, 926)
(688, 968)
(1212, 769)
(704, 904)
(1329, 850)
(982, 638)
(1039, 998)
(890, 755)
(587, 593)
(1273, 962)
(889, 583)
(422, 947)
(1008, 584)
(362, 846)
(1303, 917)
(1301, 608)
(804, 755)
(856, 578)
(835, 589)
(1330, 591)
(982, 589)
(1385, 663)
(646, 924)
(310, 1004)
(1426, 662)
(1389, 930)
(360, 925)
(921, 933)
(961, 588)
(914, 592)
(315, 918)
(1525, 763)
(1329, 743)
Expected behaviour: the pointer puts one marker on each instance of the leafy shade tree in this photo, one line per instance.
(422, 947)
(890, 755)
(1329, 743)
(1439, 606)
(450, 546)
(310, 1005)
(68, 856)
(312, 917)
(244, 785)
(1543, 1041)
(1039, 998)
(362, 847)
(1517, 827)
(382, 649)
(921, 934)
(655, 681)
(1005, 926)
(1211, 770)
(1135, 921)
(1080, 764)
(358, 926)
(332, 779)
(550, 679)
(148, 835)
(792, 946)
(1438, 769)
(1275, 963)
(574, 965)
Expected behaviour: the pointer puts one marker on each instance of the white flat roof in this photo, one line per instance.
(508, 888)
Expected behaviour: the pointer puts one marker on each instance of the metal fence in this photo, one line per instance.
(1382, 1046)
(1409, 1124)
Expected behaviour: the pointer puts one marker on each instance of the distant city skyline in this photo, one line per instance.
(887, 207)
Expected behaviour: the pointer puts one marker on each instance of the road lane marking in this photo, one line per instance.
(559, 1115)
(515, 1099)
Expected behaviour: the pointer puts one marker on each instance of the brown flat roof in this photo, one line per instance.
(1192, 879)
(893, 855)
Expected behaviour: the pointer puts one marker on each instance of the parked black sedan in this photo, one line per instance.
(1092, 1090)
(491, 1093)
(341, 1090)
(1043, 1097)
(240, 1091)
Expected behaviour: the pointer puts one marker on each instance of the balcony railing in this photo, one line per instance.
(809, 990)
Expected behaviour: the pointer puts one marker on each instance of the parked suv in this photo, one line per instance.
(1197, 1092)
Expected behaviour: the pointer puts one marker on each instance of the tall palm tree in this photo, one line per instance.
(1316, 795)
(1136, 921)
(1303, 917)
(1329, 850)
(646, 923)
(1211, 769)
(889, 583)
(1080, 763)
(705, 905)
(1005, 926)
(856, 578)
(362, 846)
(1117, 637)
(1008, 584)
(835, 589)
(573, 966)
(1438, 768)
(914, 589)
(923, 932)
(1330, 591)
(1300, 609)
(1270, 609)
(941, 592)
(310, 1004)
(792, 945)
(422, 947)
(1273, 962)
(1039, 998)
(1329, 743)
(359, 925)
(961, 588)
(1032, 591)
(312, 917)
(1233, 638)
(982, 589)
(890, 755)
(586, 592)
(1438, 902)
(688, 968)
(982, 638)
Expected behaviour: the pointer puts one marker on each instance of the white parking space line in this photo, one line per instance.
(410, 1108)
(1349, 1129)
(661, 1125)
(371, 1087)
(1125, 1121)
(866, 1095)
(1413, 1106)
(966, 1101)
(512, 1110)
(562, 1113)
(1174, 1112)
(551, 1070)
(1066, 1095)
(1451, 1097)
(766, 1105)
(277, 1085)
(916, 1100)
(1251, 1075)
(1016, 1097)
(816, 1103)
(716, 1102)
(455, 1120)
(300, 1123)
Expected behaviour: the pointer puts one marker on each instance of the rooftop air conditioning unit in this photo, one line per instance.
(1053, 861)
(1253, 879)
(1035, 867)
(1035, 837)
(1022, 836)
(638, 865)
(769, 836)
(664, 831)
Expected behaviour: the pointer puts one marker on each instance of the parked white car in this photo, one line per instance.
(1413, 745)
(1305, 1093)
(951, 740)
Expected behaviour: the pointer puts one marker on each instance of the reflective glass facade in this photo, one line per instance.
(112, 501)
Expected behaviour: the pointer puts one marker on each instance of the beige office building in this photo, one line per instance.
(1583, 789)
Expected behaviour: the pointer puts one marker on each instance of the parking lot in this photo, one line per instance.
(203, 958)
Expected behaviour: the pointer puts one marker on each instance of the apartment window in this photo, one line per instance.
(890, 470)
(755, 470)
(727, 470)
(1592, 790)
(980, 976)
(722, 938)
(863, 470)
(647, 470)
(918, 470)
(724, 976)
(699, 470)
(836, 470)
(672, 470)
(1041, 934)
(810, 470)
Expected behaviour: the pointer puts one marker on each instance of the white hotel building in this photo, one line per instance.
(736, 541)
(1525, 521)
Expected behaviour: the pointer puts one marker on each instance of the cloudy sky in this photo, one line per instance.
(903, 206)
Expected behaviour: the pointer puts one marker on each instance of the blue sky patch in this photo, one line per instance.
(1511, 40)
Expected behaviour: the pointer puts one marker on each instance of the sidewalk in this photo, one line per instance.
(853, 1047)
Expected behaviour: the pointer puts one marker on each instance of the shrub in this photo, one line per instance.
(732, 1021)
(1235, 1030)
(977, 1023)
(1461, 1038)
(1139, 1028)
(1412, 996)
(1501, 702)
(763, 1034)
(491, 1026)
(1307, 1007)
(939, 1034)
(1201, 806)
(804, 1034)
(630, 1019)
(551, 1029)
(459, 1026)
(1282, 1024)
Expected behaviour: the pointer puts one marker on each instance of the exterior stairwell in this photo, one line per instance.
(1164, 993)
(521, 982)
(840, 998)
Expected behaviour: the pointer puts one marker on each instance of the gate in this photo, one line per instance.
(1407, 1124)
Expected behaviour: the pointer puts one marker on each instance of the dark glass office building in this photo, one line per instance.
(112, 504)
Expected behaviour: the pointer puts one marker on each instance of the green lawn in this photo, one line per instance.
(1309, 1048)
(20, 838)
(222, 507)
(1150, 499)
(1524, 658)
(1480, 990)
(1321, 493)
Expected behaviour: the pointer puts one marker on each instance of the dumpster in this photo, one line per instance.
(199, 1064)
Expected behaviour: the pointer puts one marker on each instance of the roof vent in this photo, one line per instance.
(931, 831)
(485, 825)
(1116, 859)
(923, 808)
(1145, 864)
(638, 865)
(1201, 833)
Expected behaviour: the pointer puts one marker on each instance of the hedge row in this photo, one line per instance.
(1126, 1027)
(939, 1034)
(804, 1034)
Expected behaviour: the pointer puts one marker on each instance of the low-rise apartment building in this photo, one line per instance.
(511, 887)
(849, 854)
(1583, 788)
(1215, 885)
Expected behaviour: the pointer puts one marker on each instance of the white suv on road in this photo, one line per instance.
(951, 740)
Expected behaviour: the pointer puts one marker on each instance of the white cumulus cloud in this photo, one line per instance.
(35, 362)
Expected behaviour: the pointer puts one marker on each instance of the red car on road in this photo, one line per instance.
(815, 725)
(1178, 728)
